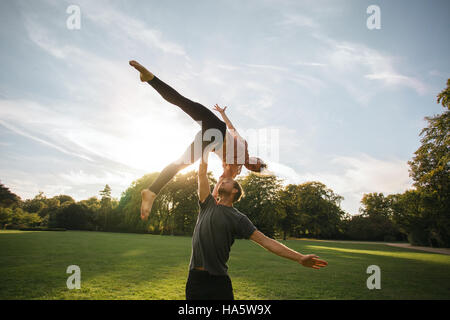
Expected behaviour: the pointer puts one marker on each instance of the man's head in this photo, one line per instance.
(255, 164)
(230, 188)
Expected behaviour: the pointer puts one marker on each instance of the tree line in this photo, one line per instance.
(420, 215)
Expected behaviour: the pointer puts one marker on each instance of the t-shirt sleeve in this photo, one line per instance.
(209, 201)
(244, 228)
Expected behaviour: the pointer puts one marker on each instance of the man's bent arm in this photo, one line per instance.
(285, 252)
(215, 192)
(203, 183)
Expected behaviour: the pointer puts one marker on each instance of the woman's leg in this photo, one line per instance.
(195, 110)
(189, 156)
(149, 195)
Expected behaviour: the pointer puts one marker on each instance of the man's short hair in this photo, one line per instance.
(238, 195)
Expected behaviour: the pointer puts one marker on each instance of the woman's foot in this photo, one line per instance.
(145, 74)
(147, 201)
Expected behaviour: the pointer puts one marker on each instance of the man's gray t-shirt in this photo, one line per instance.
(216, 228)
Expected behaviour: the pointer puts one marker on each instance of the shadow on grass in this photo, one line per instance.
(423, 257)
(33, 264)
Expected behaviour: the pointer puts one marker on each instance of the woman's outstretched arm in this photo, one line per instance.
(226, 119)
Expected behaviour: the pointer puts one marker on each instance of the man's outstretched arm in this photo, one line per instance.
(310, 260)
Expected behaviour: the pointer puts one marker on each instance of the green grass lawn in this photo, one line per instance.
(136, 266)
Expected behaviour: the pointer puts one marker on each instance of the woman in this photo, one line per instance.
(228, 144)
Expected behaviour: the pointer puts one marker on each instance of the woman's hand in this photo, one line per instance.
(219, 109)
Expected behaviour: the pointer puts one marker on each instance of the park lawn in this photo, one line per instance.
(138, 266)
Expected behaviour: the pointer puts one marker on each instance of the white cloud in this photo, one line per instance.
(266, 66)
(132, 32)
(313, 84)
(349, 62)
(126, 121)
(400, 80)
(310, 64)
(298, 20)
(40, 140)
(353, 176)
(28, 186)
(81, 178)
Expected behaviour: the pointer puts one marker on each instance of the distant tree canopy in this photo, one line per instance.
(376, 220)
(7, 198)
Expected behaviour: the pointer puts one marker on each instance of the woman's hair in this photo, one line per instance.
(255, 164)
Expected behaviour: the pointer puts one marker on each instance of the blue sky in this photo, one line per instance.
(347, 103)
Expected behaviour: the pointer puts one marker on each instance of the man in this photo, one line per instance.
(218, 224)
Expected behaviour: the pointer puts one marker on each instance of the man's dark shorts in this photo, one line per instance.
(203, 286)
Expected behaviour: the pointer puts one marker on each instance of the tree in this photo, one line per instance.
(127, 214)
(430, 171)
(5, 216)
(375, 222)
(36, 204)
(72, 216)
(374, 204)
(180, 198)
(260, 201)
(288, 210)
(93, 205)
(62, 198)
(174, 211)
(410, 216)
(18, 217)
(105, 205)
(444, 96)
(319, 211)
(7, 198)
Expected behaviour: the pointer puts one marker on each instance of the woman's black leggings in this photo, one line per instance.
(197, 112)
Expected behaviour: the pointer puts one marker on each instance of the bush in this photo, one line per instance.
(377, 228)
(389, 238)
(42, 229)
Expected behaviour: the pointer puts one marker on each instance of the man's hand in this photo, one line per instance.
(219, 109)
(312, 261)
